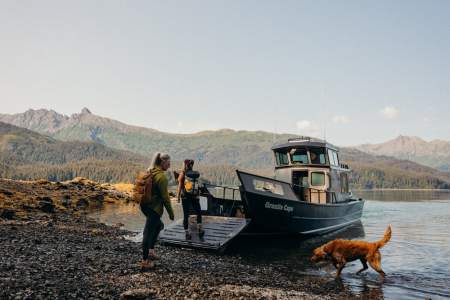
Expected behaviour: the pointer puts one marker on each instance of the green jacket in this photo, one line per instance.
(160, 193)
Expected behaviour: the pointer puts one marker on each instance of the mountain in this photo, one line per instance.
(21, 145)
(25, 154)
(242, 148)
(374, 171)
(435, 154)
(64, 154)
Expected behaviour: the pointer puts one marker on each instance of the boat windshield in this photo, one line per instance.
(317, 156)
(281, 158)
(299, 156)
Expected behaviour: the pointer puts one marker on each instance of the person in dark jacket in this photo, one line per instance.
(153, 208)
(189, 196)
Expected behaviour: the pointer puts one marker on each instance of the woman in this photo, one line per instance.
(189, 196)
(153, 208)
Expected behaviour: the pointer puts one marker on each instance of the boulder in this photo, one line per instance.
(138, 294)
(6, 192)
(82, 202)
(6, 213)
(65, 200)
(47, 206)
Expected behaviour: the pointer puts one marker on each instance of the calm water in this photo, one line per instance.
(416, 260)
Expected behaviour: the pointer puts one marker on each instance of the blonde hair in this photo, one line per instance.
(157, 159)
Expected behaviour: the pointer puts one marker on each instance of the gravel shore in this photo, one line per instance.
(61, 254)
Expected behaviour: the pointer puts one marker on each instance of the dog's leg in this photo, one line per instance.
(375, 263)
(340, 266)
(339, 262)
(364, 263)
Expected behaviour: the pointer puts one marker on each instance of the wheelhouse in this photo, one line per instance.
(313, 169)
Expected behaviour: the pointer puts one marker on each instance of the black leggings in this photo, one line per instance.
(187, 202)
(153, 226)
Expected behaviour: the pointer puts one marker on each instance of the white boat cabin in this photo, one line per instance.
(314, 170)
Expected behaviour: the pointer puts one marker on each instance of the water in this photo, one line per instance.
(416, 260)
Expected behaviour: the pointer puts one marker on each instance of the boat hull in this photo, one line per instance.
(278, 216)
(274, 209)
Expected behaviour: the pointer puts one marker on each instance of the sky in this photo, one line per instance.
(351, 71)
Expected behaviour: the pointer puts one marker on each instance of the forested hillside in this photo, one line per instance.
(226, 147)
(25, 154)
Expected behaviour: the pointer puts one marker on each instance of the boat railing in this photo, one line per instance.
(224, 192)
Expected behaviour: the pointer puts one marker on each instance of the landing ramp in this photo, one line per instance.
(219, 231)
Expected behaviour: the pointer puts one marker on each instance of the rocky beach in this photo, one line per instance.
(50, 249)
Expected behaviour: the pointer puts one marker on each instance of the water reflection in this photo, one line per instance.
(288, 249)
(130, 217)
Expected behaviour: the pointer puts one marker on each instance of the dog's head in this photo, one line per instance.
(319, 254)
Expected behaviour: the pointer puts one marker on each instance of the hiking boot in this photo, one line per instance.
(153, 256)
(147, 265)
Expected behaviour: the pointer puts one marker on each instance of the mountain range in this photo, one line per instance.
(435, 154)
(242, 148)
(85, 142)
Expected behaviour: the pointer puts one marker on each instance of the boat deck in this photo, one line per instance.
(219, 231)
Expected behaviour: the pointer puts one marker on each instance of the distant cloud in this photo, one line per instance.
(389, 112)
(341, 119)
(308, 128)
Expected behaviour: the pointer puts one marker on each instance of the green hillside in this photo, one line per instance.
(25, 154)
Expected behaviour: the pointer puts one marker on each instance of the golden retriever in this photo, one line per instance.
(342, 251)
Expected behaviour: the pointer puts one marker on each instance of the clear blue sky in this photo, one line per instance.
(366, 71)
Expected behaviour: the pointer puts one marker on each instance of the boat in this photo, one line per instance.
(309, 193)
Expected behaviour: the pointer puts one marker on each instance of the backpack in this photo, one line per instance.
(190, 180)
(142, 191)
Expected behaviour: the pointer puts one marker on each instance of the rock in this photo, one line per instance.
(65, 200)
(6, 192)
(97, 197)
(82, 202)
(42, 181)
(137, 294)
(7, 213)
(47, 206)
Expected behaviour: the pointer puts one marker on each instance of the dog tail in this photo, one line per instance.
(386, 237)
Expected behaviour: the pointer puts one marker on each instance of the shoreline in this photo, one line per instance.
(61, 253)
(390, 189)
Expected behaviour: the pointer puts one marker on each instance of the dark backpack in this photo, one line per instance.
(190, 186)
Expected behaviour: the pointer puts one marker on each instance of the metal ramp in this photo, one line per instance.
(219, 231)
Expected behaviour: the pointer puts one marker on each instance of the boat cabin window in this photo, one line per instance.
(265, 186)
(336, 160)
(344, 183)
(333, 157)
(281, 158)
(317, 156)
(299, 156)
(317, 178)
